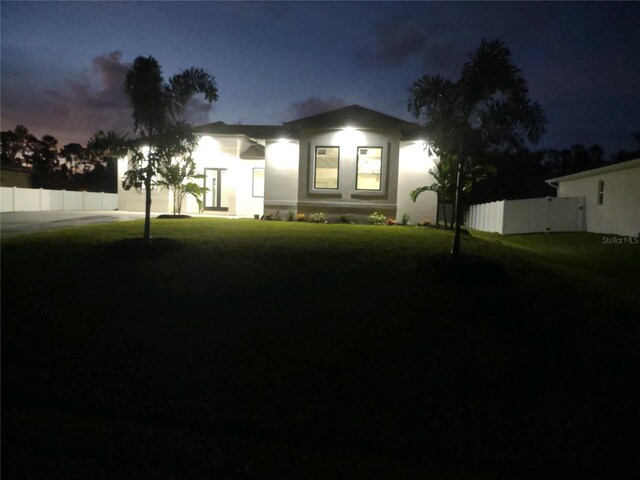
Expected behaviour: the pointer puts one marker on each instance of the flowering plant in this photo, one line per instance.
(318, 218)
(377, 218)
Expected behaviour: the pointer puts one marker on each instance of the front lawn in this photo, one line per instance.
(272, 350)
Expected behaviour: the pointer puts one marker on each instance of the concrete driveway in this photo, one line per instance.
(15, 223)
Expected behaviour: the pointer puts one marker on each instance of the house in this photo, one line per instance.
(14, 176)
(611, 196)
(351, 161)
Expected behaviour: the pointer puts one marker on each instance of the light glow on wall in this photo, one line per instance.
(282, 154)
(207, 146)
(349, 138)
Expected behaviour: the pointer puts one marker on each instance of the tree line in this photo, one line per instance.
(72, 167)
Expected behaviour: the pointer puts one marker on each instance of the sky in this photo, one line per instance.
(62, 64)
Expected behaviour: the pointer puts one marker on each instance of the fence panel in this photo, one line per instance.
(15, 199)
(486, 217)
(6, 197)
(532, 215)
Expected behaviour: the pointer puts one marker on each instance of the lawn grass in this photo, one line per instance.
(246, 349)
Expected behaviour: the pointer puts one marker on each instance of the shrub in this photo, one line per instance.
(391, 221)
(405, 219)
(291, 215)
(300, 217)
(377, 218)
(345, 219)
(317, 218)
(425, 223)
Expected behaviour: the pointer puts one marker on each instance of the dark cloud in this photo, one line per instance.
(395, 40)
(313, 106)
(446, 60)
(85, 103)
(198, 111)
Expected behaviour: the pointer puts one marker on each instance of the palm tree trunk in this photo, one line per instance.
(454, 255)
(444, 214)
(147, 203)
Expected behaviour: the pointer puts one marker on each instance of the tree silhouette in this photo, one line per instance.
(487, 110)
(157, 106)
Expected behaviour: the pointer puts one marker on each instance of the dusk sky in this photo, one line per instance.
(63, 63)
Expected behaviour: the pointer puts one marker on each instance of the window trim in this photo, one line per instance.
(253, 182)
(379, 189)
(315, 168)
(600, 197)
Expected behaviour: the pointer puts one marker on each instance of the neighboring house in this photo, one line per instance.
(13, 176)
(611, 196)
(351, 161)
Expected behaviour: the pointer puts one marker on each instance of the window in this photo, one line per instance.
(368, 168)
(326, 168)
(258, 182)
(600, 191)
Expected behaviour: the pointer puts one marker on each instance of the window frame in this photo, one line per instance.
(379, 189)
(600, 197)
(315, 168)
(253, 182)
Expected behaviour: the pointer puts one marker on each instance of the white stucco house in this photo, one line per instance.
(350, 161)
(611, 197)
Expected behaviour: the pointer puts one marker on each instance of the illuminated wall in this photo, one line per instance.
(415, 163)
(281, 176)
(367, 172)
(223, 152)
(132, 201)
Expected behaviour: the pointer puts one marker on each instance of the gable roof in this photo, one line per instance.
(597, 171)
(351, 116)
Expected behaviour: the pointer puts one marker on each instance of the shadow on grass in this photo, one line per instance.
(133, 249)
(470, 271)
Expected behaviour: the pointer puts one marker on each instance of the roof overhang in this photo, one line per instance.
(597, 171)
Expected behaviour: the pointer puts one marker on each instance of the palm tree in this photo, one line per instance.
(487, 110)
(174, 177)
(157, 106)
(444, 185)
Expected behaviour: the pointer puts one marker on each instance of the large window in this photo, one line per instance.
(258, 182)
(369, 168)
(326, 168)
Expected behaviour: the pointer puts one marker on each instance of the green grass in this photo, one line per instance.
(245, 349)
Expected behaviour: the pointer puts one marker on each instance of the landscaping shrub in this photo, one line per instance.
(377, 218)
(318, 217)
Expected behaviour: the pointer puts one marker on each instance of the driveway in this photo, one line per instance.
(15, 223)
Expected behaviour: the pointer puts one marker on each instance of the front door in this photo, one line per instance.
(217, 194)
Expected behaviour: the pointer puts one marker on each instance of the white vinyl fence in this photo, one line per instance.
(547, 214)
(14, 199)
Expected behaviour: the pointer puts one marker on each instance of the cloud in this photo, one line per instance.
(396, 39)
(198, 111)
(313, 106)
(92, 100)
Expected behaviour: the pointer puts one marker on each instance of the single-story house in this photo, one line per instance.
(611, 196)
(351, 161)
(14, 176)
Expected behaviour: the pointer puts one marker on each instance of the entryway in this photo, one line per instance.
(217, 195)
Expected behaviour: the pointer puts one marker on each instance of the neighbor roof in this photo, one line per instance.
(597, 171)
(351, 116)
